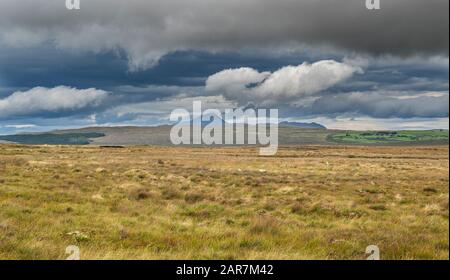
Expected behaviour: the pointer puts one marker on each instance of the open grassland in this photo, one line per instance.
(311, 202)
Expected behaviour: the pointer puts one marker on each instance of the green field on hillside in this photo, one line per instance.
(380, 137)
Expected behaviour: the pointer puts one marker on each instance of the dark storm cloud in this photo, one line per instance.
(409, 77)
(147, 30)
(49, 66)
(177, 45)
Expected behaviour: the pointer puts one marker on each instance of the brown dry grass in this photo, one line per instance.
(312, 202)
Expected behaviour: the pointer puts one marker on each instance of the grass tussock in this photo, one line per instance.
(264, 224)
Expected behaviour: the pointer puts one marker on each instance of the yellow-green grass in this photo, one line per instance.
(312, 202)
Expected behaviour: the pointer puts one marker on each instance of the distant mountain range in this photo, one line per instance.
(289, 133)
(311, 125)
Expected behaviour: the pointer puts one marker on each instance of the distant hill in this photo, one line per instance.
(391, 137)
(311, 125)
(53, 138)
(289, 133)
(147, 135)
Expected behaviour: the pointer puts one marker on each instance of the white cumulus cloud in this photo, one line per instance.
(50, 100)
(232, 81)
(287, 83)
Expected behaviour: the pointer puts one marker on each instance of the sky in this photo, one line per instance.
(132, 62)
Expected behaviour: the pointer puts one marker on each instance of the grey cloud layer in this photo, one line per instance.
(146, 30)
(380, 105)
